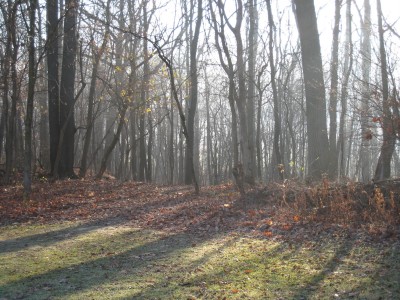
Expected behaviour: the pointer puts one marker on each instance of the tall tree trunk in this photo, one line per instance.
(44, 138)
(388, 132)
(7, 16)
(247, 151)
(67, 89)
(143, 97)
(193, 76)
(365, 155)
(53, 78)
(251, 95)
(348, 63)
(278, 167)
(12, 42)
(27, 181)
(333, 93)
(318, 147)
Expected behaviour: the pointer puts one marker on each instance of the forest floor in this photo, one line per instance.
(84, 239)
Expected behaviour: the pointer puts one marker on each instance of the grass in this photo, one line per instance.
(78, 260)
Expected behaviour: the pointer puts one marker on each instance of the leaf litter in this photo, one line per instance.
(224, 245)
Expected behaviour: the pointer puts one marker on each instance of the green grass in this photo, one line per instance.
(74, 260)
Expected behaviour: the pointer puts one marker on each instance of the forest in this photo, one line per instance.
(182, 92)
(199, 149)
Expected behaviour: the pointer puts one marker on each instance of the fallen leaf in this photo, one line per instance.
(296, 218)
(268, 233)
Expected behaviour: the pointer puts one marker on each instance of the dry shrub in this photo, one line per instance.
(350, 203)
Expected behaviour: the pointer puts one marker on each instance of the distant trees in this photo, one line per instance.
(209, 92)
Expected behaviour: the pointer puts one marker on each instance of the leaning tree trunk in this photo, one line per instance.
(114, 142)
(318, 147)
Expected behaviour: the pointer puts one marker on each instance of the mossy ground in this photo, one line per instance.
(78, 260)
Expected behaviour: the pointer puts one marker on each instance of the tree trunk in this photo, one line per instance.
(366, 134)
(193, 77)
(389, 135)
(114, 142)
(53, 79)
(251, 95)
(333, 93)
(278, 165)
(27, 181)
(348, 63)
(67, 89)
(149, 172)
(318, 147)
(12, 42)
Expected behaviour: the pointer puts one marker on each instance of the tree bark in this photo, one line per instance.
(193, 77)
(348, 63)
(111, 146)
(318, 147)
(389, 135)
(333, 93)
(67, 89)
(27, 181)
(251, 95)
(278, 166)
(365, 155)
(53, 78)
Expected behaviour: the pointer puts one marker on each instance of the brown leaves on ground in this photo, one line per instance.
(280, 210)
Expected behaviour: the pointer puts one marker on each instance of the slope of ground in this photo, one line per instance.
(88, 239)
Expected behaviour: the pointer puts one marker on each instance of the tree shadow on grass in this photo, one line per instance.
(97, 272)
(54, 236)
(92, 273)
(327, 268)
(170, 212)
